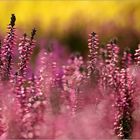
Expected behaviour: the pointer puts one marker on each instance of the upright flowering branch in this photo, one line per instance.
(112, 53)
(44, 75)
(48, 80)
(124, 102)
(93, 45)
(110, 68)
(21, 85)
(3, 121)
(126, 59)
(25, 49)
(7, 49)
(1, 60)
(72, 80)
(55, 96)
(30, 104)
(34, 110)
(137, 56)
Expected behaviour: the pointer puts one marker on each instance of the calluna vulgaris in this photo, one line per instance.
(97, 98)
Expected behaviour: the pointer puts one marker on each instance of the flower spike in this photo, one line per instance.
(13, 19)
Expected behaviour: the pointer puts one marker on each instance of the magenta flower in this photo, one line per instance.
(25, 49)
(109, 66)
(7, 49)
(93, 56)
(124, 100)
(73, 78)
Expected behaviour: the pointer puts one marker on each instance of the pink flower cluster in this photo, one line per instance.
(93, 99)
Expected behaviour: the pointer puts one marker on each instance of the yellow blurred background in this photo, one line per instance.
(70, 21)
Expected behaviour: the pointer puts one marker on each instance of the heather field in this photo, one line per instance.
(69, 70)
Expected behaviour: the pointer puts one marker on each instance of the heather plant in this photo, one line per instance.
(7, 49)
(73, 78)
(77, 98)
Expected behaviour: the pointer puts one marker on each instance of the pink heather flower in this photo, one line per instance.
(20, 92)
(126, 59)
(3, 122)
(0, 59)
(55, 96)
(110, 66)
(34, 115)
(124, 104)
(112, 53)
(137, 55)
(7, 49)
(93, 45)
(25, 50)
(31, 107)
(23, 46)
(72, 80)
(6, 103)
(49, 80)
(44, 72)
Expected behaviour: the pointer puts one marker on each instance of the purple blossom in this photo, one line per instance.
(7, 49)
(93, 45)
